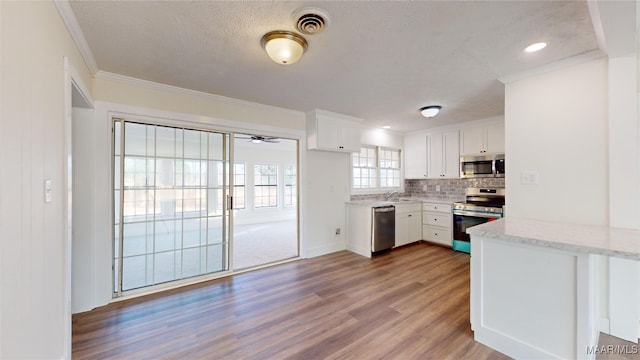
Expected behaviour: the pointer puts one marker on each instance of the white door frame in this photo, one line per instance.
(72, 83)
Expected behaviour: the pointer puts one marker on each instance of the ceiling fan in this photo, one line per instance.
(258, 139)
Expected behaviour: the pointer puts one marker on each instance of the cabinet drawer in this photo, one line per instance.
(437, 234)
(444, 220)
(408, 208)
(441, 208)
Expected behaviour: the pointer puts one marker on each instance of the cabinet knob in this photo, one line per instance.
(435, 219)
(436, 234)
(410, 215)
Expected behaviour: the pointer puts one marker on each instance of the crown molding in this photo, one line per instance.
(557, 65)
(69, 19)
(596, 20)
(182, 91)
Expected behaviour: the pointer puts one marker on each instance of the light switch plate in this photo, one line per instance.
(529, 178)
(48, 190)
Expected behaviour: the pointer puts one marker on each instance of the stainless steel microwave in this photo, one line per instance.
(482, 166)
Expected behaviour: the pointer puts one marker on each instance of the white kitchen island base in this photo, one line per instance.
(534, 286)
(531, 302)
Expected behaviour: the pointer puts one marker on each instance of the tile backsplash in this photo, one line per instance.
(450, 189)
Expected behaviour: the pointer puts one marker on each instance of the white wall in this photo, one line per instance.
(139, 93)
(624, 151)
(556, 125)
(327, 189)
(381, 137)
(578, 128)
(34, 42)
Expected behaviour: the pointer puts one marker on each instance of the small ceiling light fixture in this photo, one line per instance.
(535, 47)
(284, 47)
(430, 111)
(386, 127)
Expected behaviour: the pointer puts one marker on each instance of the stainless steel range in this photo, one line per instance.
(481, 205)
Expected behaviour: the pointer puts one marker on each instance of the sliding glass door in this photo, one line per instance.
(170, 191)
(181, 211)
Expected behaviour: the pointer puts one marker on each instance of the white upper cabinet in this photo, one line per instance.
(484, 139)
(415, 156)
(332, 132)
(443, 157)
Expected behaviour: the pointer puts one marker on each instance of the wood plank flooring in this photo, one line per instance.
(410, 303)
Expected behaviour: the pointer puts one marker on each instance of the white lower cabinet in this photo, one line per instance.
(408, 223)
(437, 223)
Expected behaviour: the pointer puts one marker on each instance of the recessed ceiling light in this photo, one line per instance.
(535, 47)
(386, 127)
(430, 111)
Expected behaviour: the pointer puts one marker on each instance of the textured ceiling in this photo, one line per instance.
(376, 60)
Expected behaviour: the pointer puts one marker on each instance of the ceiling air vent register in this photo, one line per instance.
(310, 20)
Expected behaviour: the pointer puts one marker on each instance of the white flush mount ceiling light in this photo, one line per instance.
(535, 47)
(430, 111)
(284, 47)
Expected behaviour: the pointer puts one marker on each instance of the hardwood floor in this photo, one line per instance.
(410, 303)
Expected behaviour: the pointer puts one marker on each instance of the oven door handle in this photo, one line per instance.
(475, 214)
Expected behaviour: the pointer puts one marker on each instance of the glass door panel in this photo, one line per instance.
(170, 218)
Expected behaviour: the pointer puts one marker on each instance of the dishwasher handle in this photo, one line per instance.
(380, 209)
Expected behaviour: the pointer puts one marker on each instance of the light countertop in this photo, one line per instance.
(402, 200)
(371, 203)
(602, 240)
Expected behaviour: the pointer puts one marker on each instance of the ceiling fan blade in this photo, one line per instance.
(259, 139)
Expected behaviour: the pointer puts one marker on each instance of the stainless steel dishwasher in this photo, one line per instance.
(383, 232)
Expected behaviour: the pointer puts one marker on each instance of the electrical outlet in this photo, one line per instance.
(337, 231)
(437, 188)
(424, 187)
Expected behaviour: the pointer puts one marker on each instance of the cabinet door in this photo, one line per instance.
(349, 139)
(435, 156)
(336, 134)
(328, 133)
(402, 229)
(451, 162)
(415, 226)
(415, 157)
(495, 139)
(472, 141)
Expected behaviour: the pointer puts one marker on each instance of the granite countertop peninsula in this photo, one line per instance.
(602, 240)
